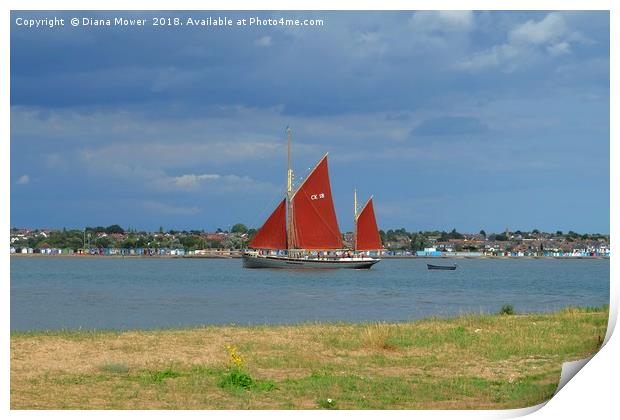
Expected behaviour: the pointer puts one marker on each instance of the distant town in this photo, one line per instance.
(115, 240)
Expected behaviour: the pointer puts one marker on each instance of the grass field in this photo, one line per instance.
(470, 362)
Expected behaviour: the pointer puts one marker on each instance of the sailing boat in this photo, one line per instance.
(302, 231)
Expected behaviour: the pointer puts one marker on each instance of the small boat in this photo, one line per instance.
(441, 267)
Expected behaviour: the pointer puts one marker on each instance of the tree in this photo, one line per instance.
(128, 243)
(191, 242)
(401, 232)
(383, 236)
(483, 233)
(74, 242)
(239, 228)
(32, 241)
(103, 242)
(114, 229)
(94, 229)
(212, 244)
(233, 242)
(418, 242)
(455, 235)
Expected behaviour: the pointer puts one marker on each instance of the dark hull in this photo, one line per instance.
(441, 267)
(260, 261)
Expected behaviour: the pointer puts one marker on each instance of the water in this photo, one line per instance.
(115, 293)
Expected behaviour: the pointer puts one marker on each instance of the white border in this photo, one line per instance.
(592, 394)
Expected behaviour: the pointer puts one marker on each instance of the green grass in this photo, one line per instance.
(159, 376)
(473, 361)
(237, 379)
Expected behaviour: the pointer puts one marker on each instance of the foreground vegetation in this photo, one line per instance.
(474, 361)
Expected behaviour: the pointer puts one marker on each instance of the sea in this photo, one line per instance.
(154, 293)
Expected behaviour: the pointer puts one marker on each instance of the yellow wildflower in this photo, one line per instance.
(235, 357)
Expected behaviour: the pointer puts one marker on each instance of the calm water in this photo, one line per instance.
(51, 293)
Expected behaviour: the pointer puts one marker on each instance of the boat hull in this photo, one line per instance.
(261, 261)
(440, 267)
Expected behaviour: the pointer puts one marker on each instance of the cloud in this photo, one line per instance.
(213, 183)
(169, 209)
(170, 78)
(443, 21)
(368, 44)
(527, 43)
(559, 48)
(55, 161)
(23, 180)
(551, 28)
(153, 178)
(264, 41)
(193, 181)
(449, 126)
(184, 153)
(123, 135)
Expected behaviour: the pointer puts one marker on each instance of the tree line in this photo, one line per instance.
(420, 240)
(114, 236)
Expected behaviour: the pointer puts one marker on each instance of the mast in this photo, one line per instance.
(354, 218)
(289, 193)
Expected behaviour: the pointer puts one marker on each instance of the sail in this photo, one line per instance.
(273, 233)
(314, 218)
(367, 234)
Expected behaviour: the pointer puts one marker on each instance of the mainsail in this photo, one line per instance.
(314, 219)
(272, 235)
(367, 234)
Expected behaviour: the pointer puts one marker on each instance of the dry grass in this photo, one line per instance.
(377, 336)
(468, 362)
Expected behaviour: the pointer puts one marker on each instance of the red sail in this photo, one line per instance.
(273, 233)
(314, 218)
(367, 237)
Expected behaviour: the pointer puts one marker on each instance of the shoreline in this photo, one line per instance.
(396, 257)
(301, 324)
(466, 362)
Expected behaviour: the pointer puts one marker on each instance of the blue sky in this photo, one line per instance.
(461, 120)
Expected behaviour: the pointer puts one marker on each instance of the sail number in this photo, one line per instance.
(317, 196)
